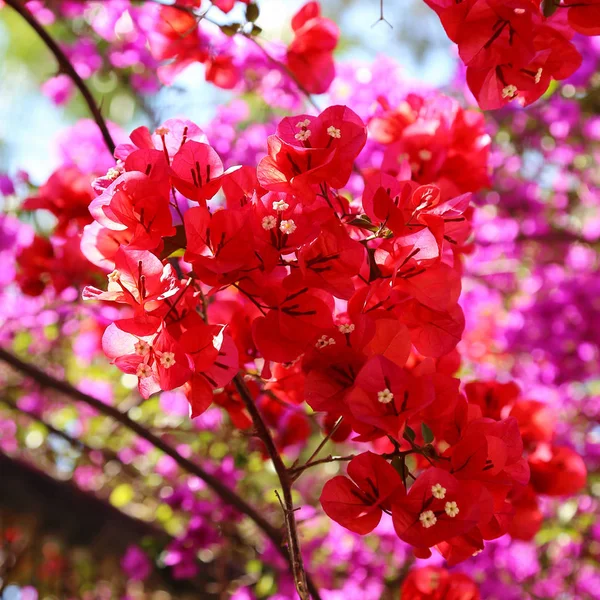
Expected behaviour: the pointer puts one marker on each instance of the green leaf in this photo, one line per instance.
(256, 30)
(426, 433)
(409, 434)
(230, 30)
(252, 12)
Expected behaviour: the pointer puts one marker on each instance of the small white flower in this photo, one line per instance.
(346, 328)
(334, 132)
(167, 359)
(303, 135)
(269, 222)
(510, 91)
(114, 276)
(438, 491)
(304, 123)
(162, 131)
(142, 348)
(425, 155)
(324, 341)
(538, 75)
(451, 509)
(287, 227)
(280, 205)
(428, 519)
(385, 396)
(519, 11)
(113, 173)
(143, 371)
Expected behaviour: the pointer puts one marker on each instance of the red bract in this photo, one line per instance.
(310, 55)
(557, 471)
(307, 151)
(67, 195)
(358, 503)
(139, 279)
(435, 583)
(584, 16)
(385, 396)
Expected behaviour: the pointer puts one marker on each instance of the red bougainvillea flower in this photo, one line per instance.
(310, 55)
(435, 583)
(140, 279)
(358, 503)
(557, 471)
(495, 399)
(307, 151)
(67, 195)
(437, 508)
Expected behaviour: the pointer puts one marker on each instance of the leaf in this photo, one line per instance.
(409, 434)
(252, 12)
(426, 433)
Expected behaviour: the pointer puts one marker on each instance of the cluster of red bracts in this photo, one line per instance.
(435, 583)
(348, 305)
(511, 49)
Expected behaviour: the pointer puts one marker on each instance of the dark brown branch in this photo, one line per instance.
(224, 492)
(296, 471)
(301, 579)
(67, 68)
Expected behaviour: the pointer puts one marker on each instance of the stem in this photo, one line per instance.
(296, 471)
(300, 577)
(324, 441)
(224, 492)
(67, 68)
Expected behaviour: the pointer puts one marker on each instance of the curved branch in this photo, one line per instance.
(67, 68)
(301, 579)
(224, 492)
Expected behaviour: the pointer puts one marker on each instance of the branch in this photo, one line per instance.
(224, 492)
(296, 471)
(67, 68)
(303, 583)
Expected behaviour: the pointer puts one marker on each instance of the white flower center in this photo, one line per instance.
(142, 348)
(519, 11)
(162, 131)
(334, 132)
(451, 509)
(303, 135)
(346, 328)
(428, 519)
(538, 75)
(324, 341)
(425, 155)
(114, 276)
(287, 227)
(167, 359)
(280, 205)
(143, 370)
(385, 396)
(438, 491)
(112, 173)
(269, 222)
(303, 124)
(510, 91)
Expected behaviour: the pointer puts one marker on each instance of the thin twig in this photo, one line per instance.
(68, 69)
(322, 444)
(302, 581)
(296, 471)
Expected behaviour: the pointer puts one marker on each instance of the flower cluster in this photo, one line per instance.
(513, 50)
